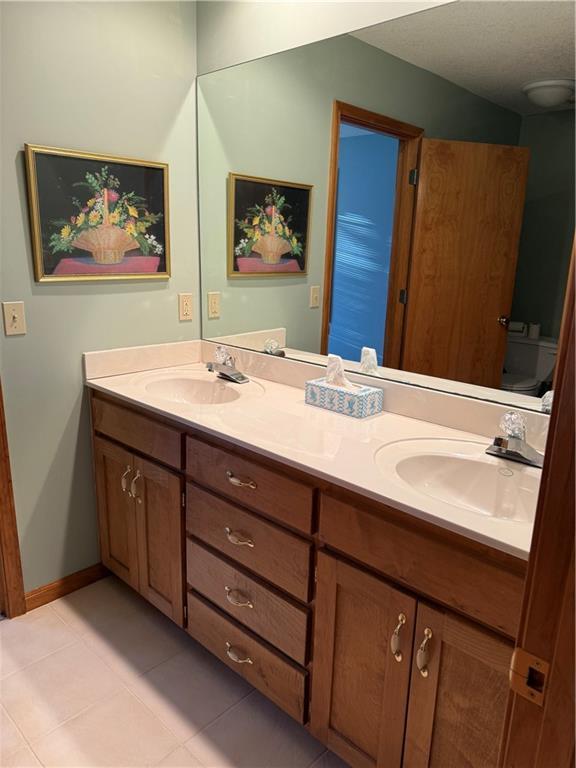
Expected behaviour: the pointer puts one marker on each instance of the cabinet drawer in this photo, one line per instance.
(485, 589)
(269, 551)
(264, 490)
(278, 679)
(279, 621)
(139, 432)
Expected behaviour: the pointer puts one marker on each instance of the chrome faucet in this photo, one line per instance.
(225, 366)
(513, 445)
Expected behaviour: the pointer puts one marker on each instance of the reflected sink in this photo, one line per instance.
(458, 473)
(196, 387)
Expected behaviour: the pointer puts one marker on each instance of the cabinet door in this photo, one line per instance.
(160, 522)
(116, 510)
(458, 700)
(359, 687)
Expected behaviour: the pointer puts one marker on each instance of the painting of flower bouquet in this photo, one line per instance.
(96, 217)
(268, 227)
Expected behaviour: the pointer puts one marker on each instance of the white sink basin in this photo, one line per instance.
(458, 473)
(196, 387)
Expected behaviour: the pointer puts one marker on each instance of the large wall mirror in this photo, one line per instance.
(409, 187)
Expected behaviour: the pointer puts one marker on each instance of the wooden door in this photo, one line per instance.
(114, 468)
(158, 499)
(359, 688)
(458, 701)
(539, 731)
(469, 208)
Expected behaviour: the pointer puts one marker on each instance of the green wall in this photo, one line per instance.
(548, 230)
(115, 78)
(272, 118)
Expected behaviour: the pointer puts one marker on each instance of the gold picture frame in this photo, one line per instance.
(271, 259)
(118, 237)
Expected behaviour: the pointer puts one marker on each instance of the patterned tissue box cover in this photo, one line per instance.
(359, 402)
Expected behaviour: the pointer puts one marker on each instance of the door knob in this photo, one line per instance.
(503, 320)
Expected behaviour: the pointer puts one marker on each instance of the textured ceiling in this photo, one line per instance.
(489, 47)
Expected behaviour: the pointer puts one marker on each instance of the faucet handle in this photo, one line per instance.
(513, 424)
(221, 354)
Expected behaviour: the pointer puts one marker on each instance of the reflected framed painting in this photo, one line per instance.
(268, 227)
(97, 217)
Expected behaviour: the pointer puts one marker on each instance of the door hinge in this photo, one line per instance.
(183, 500)
(413, 176)
(315, 574)
(403, 298)
(528, 676)
(185, 615)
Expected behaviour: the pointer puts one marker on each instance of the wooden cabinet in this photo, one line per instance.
(359, 687)
(141, 525)
(116, 510)
(451, 679)
(391, 679)
(458, 699)
(159, 525)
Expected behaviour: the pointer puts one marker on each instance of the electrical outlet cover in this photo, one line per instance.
(185, 306)
(213, 305)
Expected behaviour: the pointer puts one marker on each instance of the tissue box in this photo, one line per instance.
(359, 402)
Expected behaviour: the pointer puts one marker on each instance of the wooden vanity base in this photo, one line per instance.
(388, 637)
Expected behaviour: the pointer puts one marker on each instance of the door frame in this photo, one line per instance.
(542, 734)
(12, 601)
(409, 136)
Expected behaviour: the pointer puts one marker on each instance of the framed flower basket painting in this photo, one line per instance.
(95, 217)
(268, 227)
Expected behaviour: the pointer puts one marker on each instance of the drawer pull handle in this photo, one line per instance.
(124, 478)
(237, 538)
(237, 483)
(395, 639)
(132, 492)
(423, 654)
(235, 597)
(232, 654)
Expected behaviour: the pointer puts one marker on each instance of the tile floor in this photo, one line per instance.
(100, 678)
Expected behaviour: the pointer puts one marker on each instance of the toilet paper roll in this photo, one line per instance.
(534, 330)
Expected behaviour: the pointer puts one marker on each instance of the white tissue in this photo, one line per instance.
(335, 372)
(368, 361)
(547, 401)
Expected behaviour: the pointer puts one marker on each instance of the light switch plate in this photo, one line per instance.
(14, 318)
(185, 306)
(213, 305)
(314, 296)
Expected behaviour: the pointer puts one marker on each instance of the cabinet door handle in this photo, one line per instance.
(237, 598)
(233, 655)
(423, 654)
(124, 478)
(237, 483)
(395, 639)
(236, 538)
(132, 492)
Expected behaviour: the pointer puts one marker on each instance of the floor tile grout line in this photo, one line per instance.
(25, 739)
(232, 706)
(75, 715)
(317, 759)
(206, 725)
(41, 658)
(15, 724)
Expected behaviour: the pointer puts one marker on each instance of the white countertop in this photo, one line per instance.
(273, 420)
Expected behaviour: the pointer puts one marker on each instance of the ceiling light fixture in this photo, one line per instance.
(549, 93)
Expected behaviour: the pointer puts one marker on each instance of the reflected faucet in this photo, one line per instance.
(513, 445)
(225, 366)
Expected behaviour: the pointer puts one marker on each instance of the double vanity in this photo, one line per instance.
(366, 576)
